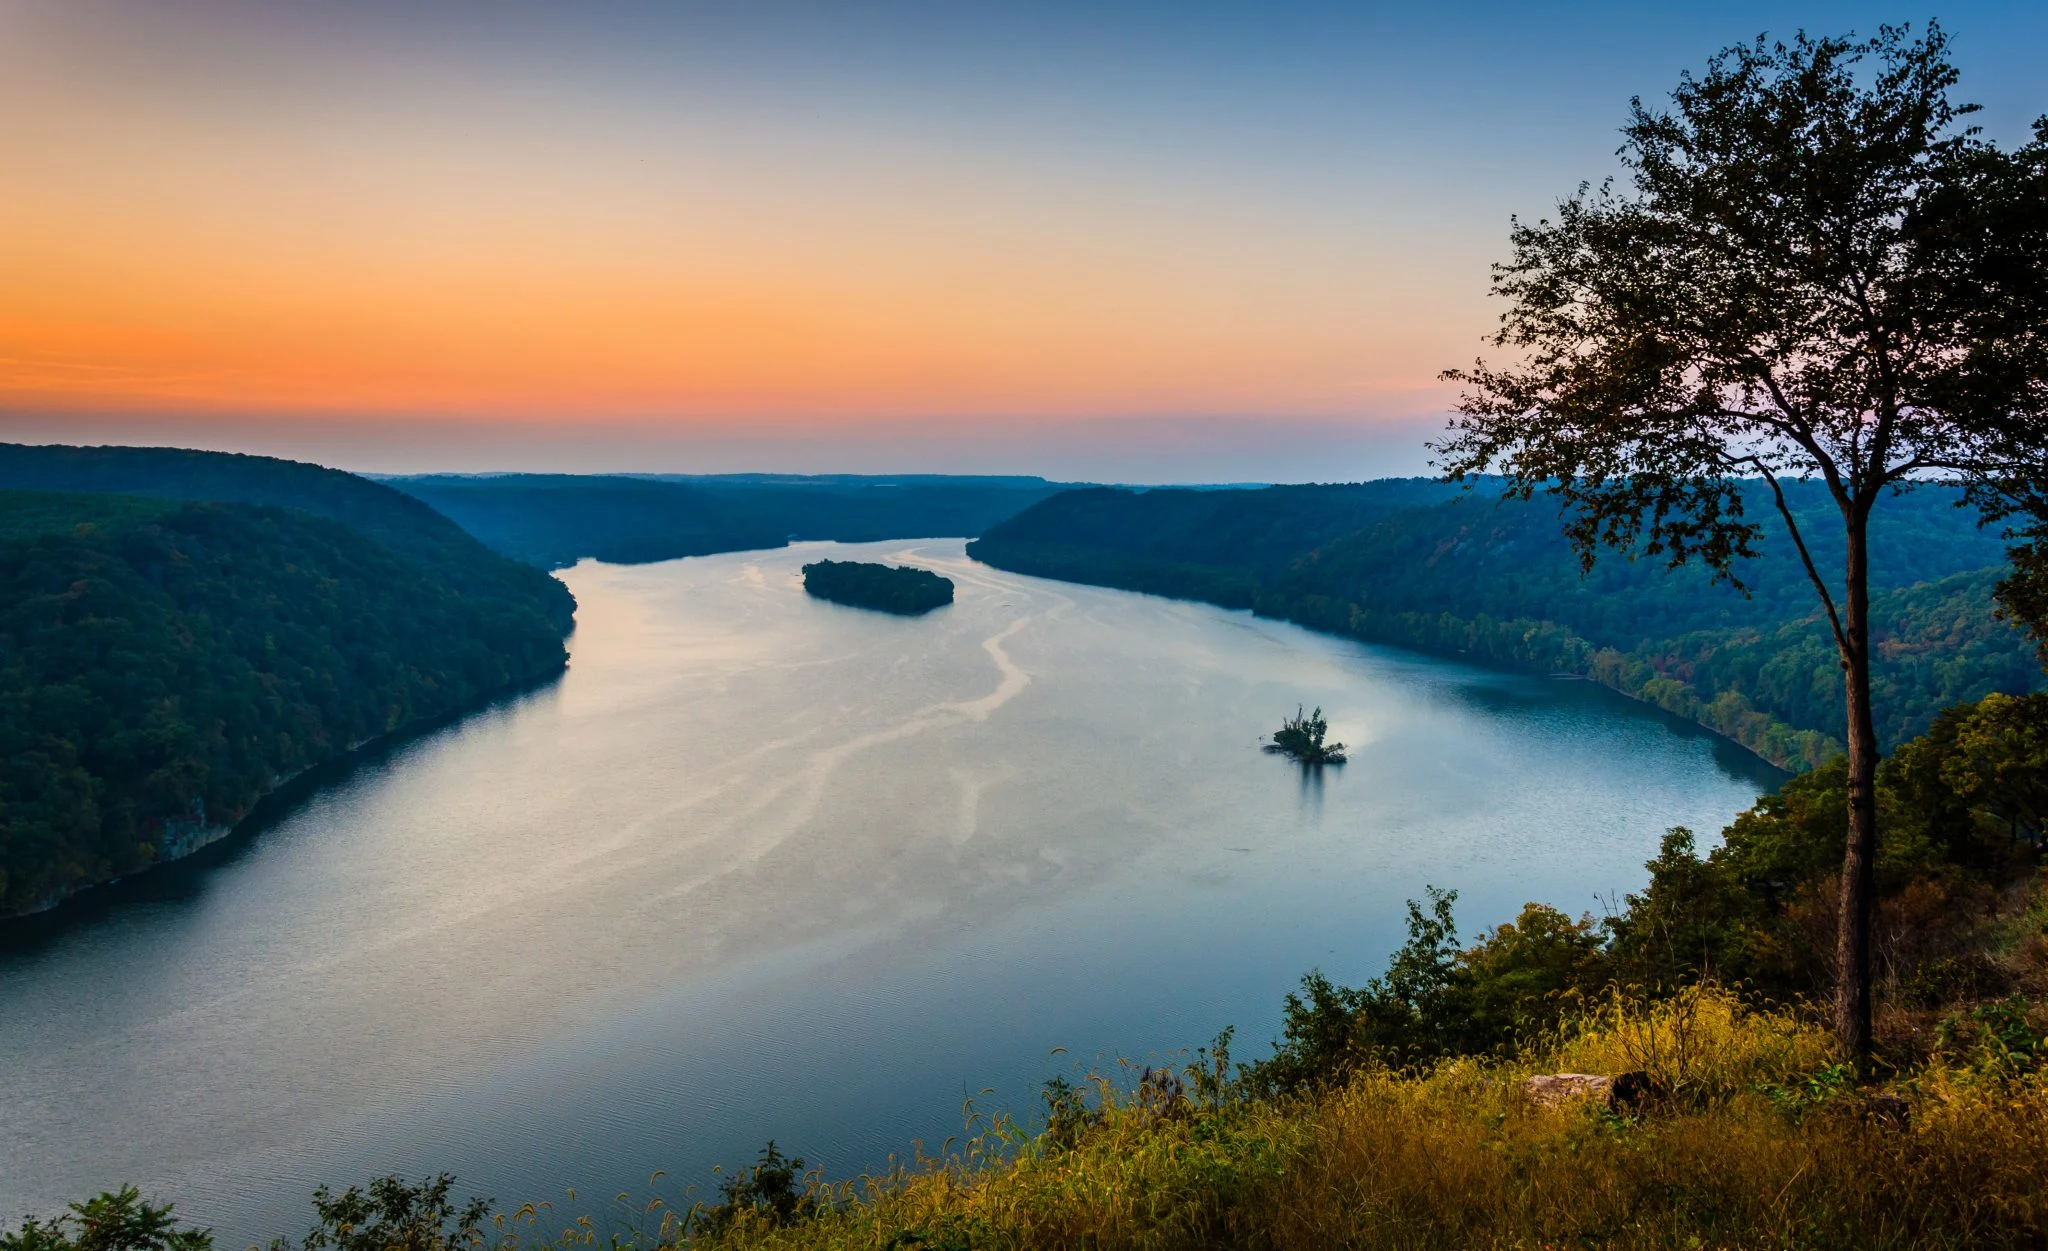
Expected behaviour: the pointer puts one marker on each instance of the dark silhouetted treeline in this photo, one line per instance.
(553, 520)
(886, 588)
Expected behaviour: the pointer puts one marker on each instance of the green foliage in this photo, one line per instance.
(404, 526)
(2023, 593)
(1423, 565)
(1808, 1091)
(163, 665)
(554, 520)
(392, 1214)
(1955, 808)
(1301, 737)
(1755, 912)
(767, 1195)
(1993, 757)
(1696, 919)
(887, 588)
(1437, 999)
(2005, 1039)
(30, 514)
(116, 1221)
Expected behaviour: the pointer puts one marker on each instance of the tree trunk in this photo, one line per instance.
(1859, 860)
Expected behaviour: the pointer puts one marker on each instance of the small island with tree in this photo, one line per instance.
(1300, 738)
(885, 588)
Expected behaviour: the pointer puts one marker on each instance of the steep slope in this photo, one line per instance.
(163, 664)
(406, 526)
(180, 631)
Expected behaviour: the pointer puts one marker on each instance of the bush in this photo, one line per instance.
(118, 1221)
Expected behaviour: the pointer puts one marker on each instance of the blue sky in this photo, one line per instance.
(1131, 241)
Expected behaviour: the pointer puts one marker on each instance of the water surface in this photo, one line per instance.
(761, 866)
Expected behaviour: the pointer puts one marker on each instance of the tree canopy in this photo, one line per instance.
(1424, 564)
(1817, 270)
(895, 589)
(163, 664)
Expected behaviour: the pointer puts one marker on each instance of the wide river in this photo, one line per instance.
(764, 867)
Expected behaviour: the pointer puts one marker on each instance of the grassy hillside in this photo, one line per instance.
(164, 663)
(556, 519)
(1769, 1151)
(1422, 564)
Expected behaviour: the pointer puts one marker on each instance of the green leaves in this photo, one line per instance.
(116, 1221)
(392, 1214)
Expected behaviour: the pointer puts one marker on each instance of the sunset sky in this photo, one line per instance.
(1173, 241)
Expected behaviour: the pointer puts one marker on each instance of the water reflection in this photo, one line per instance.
(1311, 790)
(153, 897)
(764, 867)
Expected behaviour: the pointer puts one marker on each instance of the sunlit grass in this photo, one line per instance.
(1759, 1141)
(1748, 1133)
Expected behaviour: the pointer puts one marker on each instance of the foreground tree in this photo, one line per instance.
(1817, 272)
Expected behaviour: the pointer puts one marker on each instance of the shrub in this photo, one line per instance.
(117, 1221)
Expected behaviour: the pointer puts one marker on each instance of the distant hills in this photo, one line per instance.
(1424, 564)
(394, 519)
(553, 520)
(181, 631)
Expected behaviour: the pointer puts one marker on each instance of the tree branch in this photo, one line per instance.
(1827, 598)
(1801, 432)
(1887, 383)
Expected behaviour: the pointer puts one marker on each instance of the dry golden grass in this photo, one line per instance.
(1761, 1144)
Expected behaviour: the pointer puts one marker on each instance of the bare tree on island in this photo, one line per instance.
(1817, 272)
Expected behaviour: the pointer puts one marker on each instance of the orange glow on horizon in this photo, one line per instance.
(411, 247)
(509, 326)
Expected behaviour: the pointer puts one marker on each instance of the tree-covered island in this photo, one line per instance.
(1301, 738)
(885, 588)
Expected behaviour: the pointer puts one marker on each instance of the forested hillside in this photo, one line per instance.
(399, 522)
(164, 662)
(557, 519)
(1424, 564)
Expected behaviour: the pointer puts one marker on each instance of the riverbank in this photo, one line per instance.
(182, 845)
(1422, 565)
(1391, 1112)
(165, 662)
(878, 834)
(1750, 1139)
(1764, 1147)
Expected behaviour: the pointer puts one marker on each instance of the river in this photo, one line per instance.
(761, 867)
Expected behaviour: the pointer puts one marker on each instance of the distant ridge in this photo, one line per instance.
(402, 523)
(553, 520)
